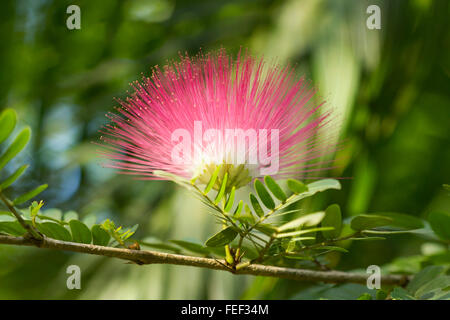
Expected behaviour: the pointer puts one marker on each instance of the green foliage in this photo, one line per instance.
(275, 188)
(8, 119)
(222, 238)
(432, 283)
(333, 219)
(440, 223)
(264, 195)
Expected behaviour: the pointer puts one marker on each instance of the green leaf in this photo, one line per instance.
(80, 232)
(12, 178)
(264, 195)
(9, 225)
(237, 212)
(7, 123)
(256, 206)
(440, 223)
(247, 216)
(212, 181)
(54, 230)
(423, 277)
(313, 188)
(401, 220)
(29, 195)
(333, 218)
(230, 201)
(18, 144)
(275, 188)
(100, 236)
(401, 294)
(308, 220)
(222, 238)
(222, 189)
(300, 232)
(365, 296)
(381, 295)
(296, 186)
(191, 246)
(369, 221)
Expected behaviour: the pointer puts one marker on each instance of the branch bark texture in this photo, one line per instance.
(153, 257)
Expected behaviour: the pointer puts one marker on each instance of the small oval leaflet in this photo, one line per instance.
(222, 238)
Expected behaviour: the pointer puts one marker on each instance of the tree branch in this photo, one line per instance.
(154, 257)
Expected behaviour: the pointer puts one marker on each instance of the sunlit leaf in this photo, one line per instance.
(308, 220)
(29, 195)
(16, 146)
(296, 186)
(275, 188)
(12, 178)
(212, 181)
(7, 123)
(230, 200)
(222, 189)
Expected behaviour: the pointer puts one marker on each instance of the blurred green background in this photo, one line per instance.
(390, 86)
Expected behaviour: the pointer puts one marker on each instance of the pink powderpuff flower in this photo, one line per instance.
(249, 117)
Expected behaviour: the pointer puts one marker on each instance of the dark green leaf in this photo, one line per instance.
(54, 230)
(264, 195)
(80, 232)
(222, 238)
(30, 194)
(296, 186)
(381, 295)
(366, 222)
(9, 225)
(440, 223)
(401, 220)
(333, 218)
(18, 144)
(12, 178)
(7, 123)
(275, 188)
(100, 236)
(256, 206)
